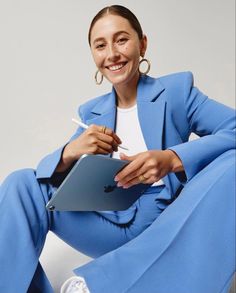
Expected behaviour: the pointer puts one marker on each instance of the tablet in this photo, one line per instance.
(90, 186)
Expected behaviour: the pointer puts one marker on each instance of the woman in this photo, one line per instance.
(187, 247)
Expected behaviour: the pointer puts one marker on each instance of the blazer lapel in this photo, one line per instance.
(105, 111)
(151, 112)
(151, 118)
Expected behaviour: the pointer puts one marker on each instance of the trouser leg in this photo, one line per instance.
(94, 235)
(190, 248)
(24, 225)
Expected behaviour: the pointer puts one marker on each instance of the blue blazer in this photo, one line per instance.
(170, 108)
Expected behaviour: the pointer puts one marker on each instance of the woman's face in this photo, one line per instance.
(116, 49)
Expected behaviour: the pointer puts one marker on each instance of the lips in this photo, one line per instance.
(116, 67)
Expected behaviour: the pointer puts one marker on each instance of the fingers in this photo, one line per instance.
(143, 178)
(131, 169)
(109, 132)
(104, 138)
(143, 168)
(108, 140)
(136, 177)
(130, 173)
(127, 158)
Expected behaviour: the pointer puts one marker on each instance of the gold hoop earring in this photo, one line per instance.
(96, 77)
(148, 66)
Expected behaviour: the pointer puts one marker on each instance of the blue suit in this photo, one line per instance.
(176, 239)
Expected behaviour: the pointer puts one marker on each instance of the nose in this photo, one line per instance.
(113, 53)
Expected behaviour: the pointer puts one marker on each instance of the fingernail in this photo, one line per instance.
(119, 184)
(116, 178)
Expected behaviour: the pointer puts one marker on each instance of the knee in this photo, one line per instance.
(18, 182)
(223, 162)
(21, 186)
(222, 169)
(20, 177)
(229, 156)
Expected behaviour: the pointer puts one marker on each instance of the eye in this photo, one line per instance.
(122, 40)
(100, 46)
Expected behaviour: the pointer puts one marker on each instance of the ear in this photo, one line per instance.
(143, 45)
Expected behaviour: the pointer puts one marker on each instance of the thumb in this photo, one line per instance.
(127, 158)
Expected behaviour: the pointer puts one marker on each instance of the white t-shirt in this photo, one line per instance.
(129, 131)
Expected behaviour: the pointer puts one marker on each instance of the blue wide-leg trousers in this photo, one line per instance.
(25, 223)
(187, 248)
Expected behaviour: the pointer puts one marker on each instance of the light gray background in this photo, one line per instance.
(46, 71)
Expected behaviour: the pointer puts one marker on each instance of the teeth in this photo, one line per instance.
(116, 67)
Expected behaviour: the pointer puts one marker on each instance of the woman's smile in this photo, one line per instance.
(117, 66)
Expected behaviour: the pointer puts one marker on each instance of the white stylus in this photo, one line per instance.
(86, 126)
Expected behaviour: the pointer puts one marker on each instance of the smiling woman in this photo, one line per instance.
(163, 242)
(116, 48)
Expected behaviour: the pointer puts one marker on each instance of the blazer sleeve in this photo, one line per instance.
(47, 166)
(213, 122)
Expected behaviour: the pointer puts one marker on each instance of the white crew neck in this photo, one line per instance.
(123, 110)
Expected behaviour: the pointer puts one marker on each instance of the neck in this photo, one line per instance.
(127, 93)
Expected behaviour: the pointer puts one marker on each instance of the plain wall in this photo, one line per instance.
(46, 71)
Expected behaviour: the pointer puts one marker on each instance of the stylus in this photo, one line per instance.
(86, 126)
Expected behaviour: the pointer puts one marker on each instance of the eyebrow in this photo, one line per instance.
(115, 35)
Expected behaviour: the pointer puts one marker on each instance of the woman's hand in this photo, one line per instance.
(94, 140)
(148, 167)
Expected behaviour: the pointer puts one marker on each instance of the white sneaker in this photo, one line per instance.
(75, 285)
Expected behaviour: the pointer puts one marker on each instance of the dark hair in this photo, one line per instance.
(121, 11)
